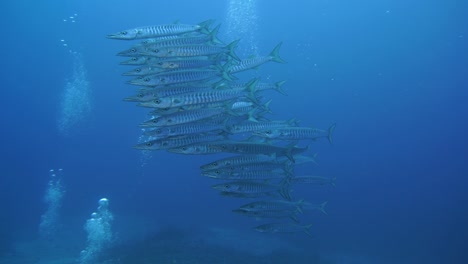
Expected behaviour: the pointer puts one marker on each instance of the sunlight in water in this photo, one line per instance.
(242, 21)
(76, 104)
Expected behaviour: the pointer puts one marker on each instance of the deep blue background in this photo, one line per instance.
(391, 74)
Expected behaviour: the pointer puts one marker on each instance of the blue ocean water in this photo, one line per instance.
(390, 74)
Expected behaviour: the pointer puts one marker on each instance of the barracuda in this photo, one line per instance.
(252, 63)
(183, 117)
(176, 77)
(174, 142)
(296, 133)
(161, 30)
(192, 50)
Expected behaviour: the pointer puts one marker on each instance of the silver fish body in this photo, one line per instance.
(296, 133)
(160, 30)
(252, 63)
(183, 117)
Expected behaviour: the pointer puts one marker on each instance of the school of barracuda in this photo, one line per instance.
(197, 107)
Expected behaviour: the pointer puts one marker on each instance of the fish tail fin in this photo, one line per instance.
(288, 152)
(225, 126)
(321, 207)
(289, 170)
(278, 88)
(251, 116)
(293, 122)
(330, 131)
(230, 47)
(225, 74)
(266, 106)
(307, 230)
(275, 54)
(332, 181)
(294, 217)
(299, 205)
(285, 190)
(205, 26)
(251, 88)
(214, 35)
(314, 158)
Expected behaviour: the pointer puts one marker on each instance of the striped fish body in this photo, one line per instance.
(249, 148)
(192, 51)
(142, 60)
(180, 41)
(261, 86)
(184, 51)
(184, 64)
(293, 133)
(269, 213)
(185, 39)
(256, 166)
(175, 77)
(183, 117)
(160, 30)
(259, 148)
(184, 129)
(161, 92)
(245, 187)
(248, 64)
(174, 142)
(272, 205)
(166, 91)
(203, 97)
(145, 70)
(237, 161)
(149, 41)
(281, 168)
(195, 149)
(244, 175)
(148, 49)
(143, 96)
(165, 111)
(256, 126)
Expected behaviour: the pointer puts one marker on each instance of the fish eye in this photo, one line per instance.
(134, 59)
(184, 148)
(156, 50)
(215, 163)
(146, 79)
(158, 131)
(157, 101)
(169, 120)
(124, 32)
(172, 65)
(164, 143)
(163, 79)
(227, 186)
(155, 120)
(160, 63)
(141, 95)
(149, 144)
(268, 132)
(138, 70)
